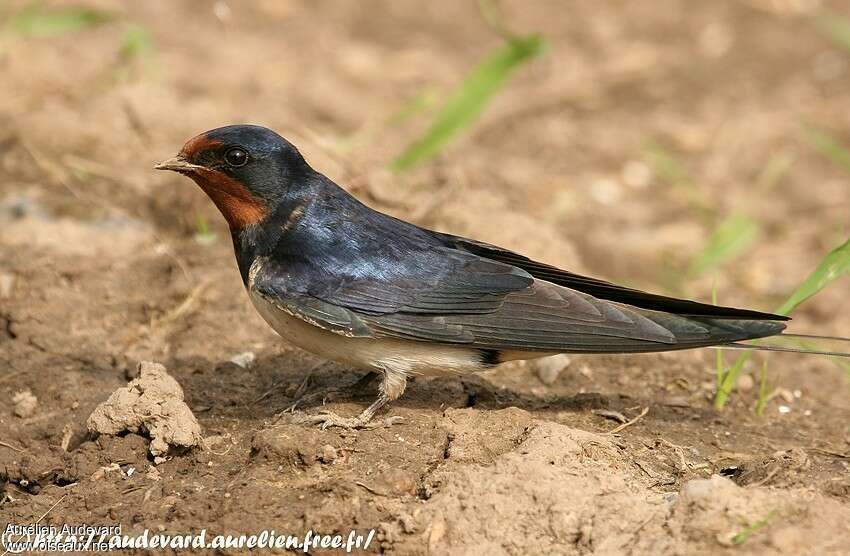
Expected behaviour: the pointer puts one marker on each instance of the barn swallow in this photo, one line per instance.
(353, 285)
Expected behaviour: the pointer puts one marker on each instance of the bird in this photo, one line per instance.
(356, 286)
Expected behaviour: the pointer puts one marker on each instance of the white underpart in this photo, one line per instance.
(395, 359)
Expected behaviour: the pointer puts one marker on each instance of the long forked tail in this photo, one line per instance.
(805, 350)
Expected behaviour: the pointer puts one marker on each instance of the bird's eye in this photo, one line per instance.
(236, 157)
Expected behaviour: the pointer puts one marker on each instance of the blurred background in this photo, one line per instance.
(653, 143)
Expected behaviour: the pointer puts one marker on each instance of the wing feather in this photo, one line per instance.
(606, 290)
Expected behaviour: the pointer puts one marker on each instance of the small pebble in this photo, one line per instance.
(549, 368)
(245, 359)
(25, 404)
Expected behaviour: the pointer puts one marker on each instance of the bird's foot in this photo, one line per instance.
(326, 419)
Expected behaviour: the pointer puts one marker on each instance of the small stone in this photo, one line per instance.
(25, 404)
(697, 489)
(245, 359)
(745, 383)
(67, 435)
(549, 368)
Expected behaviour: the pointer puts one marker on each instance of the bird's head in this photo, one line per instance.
(245, 169)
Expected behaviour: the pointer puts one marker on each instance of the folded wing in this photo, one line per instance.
(491, 304)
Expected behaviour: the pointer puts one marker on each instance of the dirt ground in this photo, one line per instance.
(102, 265)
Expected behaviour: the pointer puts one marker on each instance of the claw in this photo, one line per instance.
(327, 419)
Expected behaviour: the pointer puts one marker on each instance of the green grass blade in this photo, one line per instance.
(136, 42)
(666, 165)
(668, 168)
(839, 362)
(742, 537)
(730, 238)
(834, 27)
(39, 21)
(720, 369)
(470, 99)
(775, 171)
(203, 234)
(835, 264)
(728, 384)
(828, 146)
(425, 100)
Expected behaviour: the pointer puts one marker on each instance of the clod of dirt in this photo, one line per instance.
(25, 404)
(151, 404)
(548, 369)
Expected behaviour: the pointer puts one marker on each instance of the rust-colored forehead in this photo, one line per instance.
(197, 144)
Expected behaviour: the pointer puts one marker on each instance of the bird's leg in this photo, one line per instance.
(392, 386)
